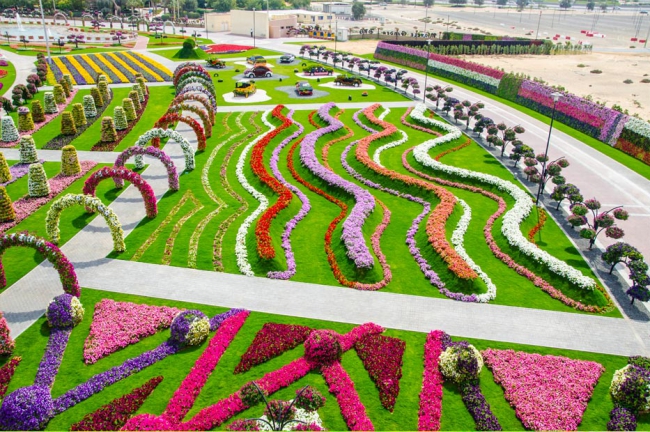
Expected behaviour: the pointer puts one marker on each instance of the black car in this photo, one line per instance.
(287, 58)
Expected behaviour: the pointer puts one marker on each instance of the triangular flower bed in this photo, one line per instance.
(382, 358)
(547, 392)
(271, 341)
(119, 324)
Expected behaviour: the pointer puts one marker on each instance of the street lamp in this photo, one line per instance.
(426, 72)
(556, 97)
(47, 42)
(254, 46)
(336, 33)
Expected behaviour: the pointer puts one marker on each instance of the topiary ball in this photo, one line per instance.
(64, 311)
(190, 327)
(148, 422)
(461, 362)
(28, 408)
(323, 346)
(631, 388)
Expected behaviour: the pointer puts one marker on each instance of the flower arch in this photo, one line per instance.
(190, 81)
(60, 15)
(52, 253)
(190, 70)
(179, 108)
(148, 195)
(172, 174)
(199, 89)
(92, 203)
(166, 133)
(196, 97)
(183, 65)
(170, 118)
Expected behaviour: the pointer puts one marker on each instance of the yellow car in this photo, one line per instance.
(244, 88)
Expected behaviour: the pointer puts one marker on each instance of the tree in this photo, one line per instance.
(620, 252)
(222, 5)
(358, 10)
(591, 5)
(134, 4)
(566, 191)
(428, 3)
(508, 135)
(479, 2)
(457, 2)
(603, 7)
(565, 4)
(502, 2)
(521, 4)
(600, 220)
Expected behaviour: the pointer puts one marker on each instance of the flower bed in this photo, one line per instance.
(102, 146)
(226, 48)
(120, 67)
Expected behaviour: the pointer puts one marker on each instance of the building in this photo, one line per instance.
(217, 22)
(338, 8)
(275, 23)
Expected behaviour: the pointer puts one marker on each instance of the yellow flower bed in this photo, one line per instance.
(152, 62)
(50, 78)
(94, 66)
(82, 71)
(108, 64)
(63, 68)
(122, 63)
(143, 66)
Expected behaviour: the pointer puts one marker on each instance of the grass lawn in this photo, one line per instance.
(8, 80)
(222, 382)
(34, 50)
(308, 237)
(23, 260)
(175, 40)
(175, 54)
(623, 158)
(172, 54)
(53, 128)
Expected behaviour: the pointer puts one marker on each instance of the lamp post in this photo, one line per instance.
(426, 72)
(538, 23)
(336, 34)
(254, 46)
(556, 97)
(47, 42)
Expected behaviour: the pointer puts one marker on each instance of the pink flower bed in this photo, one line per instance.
(119, 324)
(27, 205)
(431, 394)
(342, 387)
(547, 392)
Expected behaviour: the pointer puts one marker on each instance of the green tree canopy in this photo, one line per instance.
(358, 10)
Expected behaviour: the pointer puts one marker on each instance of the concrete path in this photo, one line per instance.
(24, 67)
(55, 155)
(141, 43)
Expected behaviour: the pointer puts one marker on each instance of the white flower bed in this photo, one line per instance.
(240, 244)
(376, 155)
(638, 126)
(301, 414)
(464, 72)
(514, 217)
(457, 239)
(383, 115)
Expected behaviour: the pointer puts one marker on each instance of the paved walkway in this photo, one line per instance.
(24, 67)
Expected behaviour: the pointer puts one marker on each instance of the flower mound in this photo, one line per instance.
(64, 311)
(28, 408)
(382, 358)
(547, 392)
(461, 362)
(323, 346)
(271, 341)
(190, 328)
(119, 324)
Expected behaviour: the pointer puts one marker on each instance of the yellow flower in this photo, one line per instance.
(122, 63)
(113, 69)
(82, 71)
(142, 66)
(152, 62)
(94, 66)
(64, 69)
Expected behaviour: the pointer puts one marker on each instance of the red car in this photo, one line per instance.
(258, 72)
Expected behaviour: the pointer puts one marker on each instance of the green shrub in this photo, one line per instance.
(25, 120)
(135, 98)
(27, 150)
(97, 96)
(79, 115)
(108, 130)
(120, 118)
(37, 183)
(67, 124)
(38, 115)
(50, 103)
(129, 109)
(7, 212)
(69, 161)
(59, 94)
(5, 174)
(103, 90)
(66, 88)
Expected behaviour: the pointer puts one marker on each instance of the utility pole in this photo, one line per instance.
(539, 20)
(47, 41)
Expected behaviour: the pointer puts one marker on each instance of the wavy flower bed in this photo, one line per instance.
(547, 392)
(432, 380)
(117, 325)
(262, 229)
(405, 122)
(27, 205)
(120, 68)
(271, 341)
(382, 358)
(352, 409)
(304, 209)
(513, 218)
(121, 134)
(241, 250)
(352, 234)
(113, 416)
(52, 357)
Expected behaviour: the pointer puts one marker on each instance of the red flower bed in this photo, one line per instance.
(382, 358)
(262, 229)
(227, 48)
(271, 341)
(171, 118)
(114, 415)
(6, 373)
(538, 227)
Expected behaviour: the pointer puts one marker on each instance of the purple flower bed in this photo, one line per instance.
(479, 408)
(217, 320)
(163, 73)
(352, 234)
(304, 209)
(27, 408)
(56, 71)
(73, 70)
(129, 76)
(52, 357)
(145, 74)
(105, 70)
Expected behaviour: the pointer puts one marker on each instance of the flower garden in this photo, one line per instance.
(398, 200)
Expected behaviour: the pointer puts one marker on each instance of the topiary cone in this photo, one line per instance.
(68, 80)
(38, 115)
(137, 88)
(50, 104)
(97, 96)
(5, 173)
(108, 130)
(37, 183)
(90, 111)
(7, 212)
(25, 120)
(133, 95)
(59, 94)
(69, 161)
(103, 90)
(9, 131)
(140, 80)
(120, 118)
(129, 108)
(78, 115)
(65, 87)
(67, 124)
(27, 151)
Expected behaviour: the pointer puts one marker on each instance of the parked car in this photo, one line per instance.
(258, 71)
(287, 58)
(349, 81)
(216, 63)
(244, 88)
(303, 88)
(255, 60)
(317, 71)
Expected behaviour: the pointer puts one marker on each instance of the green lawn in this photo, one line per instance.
(308, 237)
(222, 382)
(53, 128)
(175, 54)
(23, 260)
(8, 80)
(175, 40)
(34, 50)
(172, 53)
(630, 162)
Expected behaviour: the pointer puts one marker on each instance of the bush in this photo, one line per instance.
(67, 124)
(628, 81)
(135, 98)
(38, 115)
(140, 80)
(59, 94)
(9, 131)
(129, 109)
(7, 212)
(50, 104)
(188, 44)
(596, 71)
(27, 150)
(120, 118)
(25, 121)
(5, 174)
(99, 100)
(37, 183)
(79, 115)
(6, 104)
(90, 111)
(137, 88)
(108, 130)
(68, 80)
(65, 87)
(103, 90)
(69, 161)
